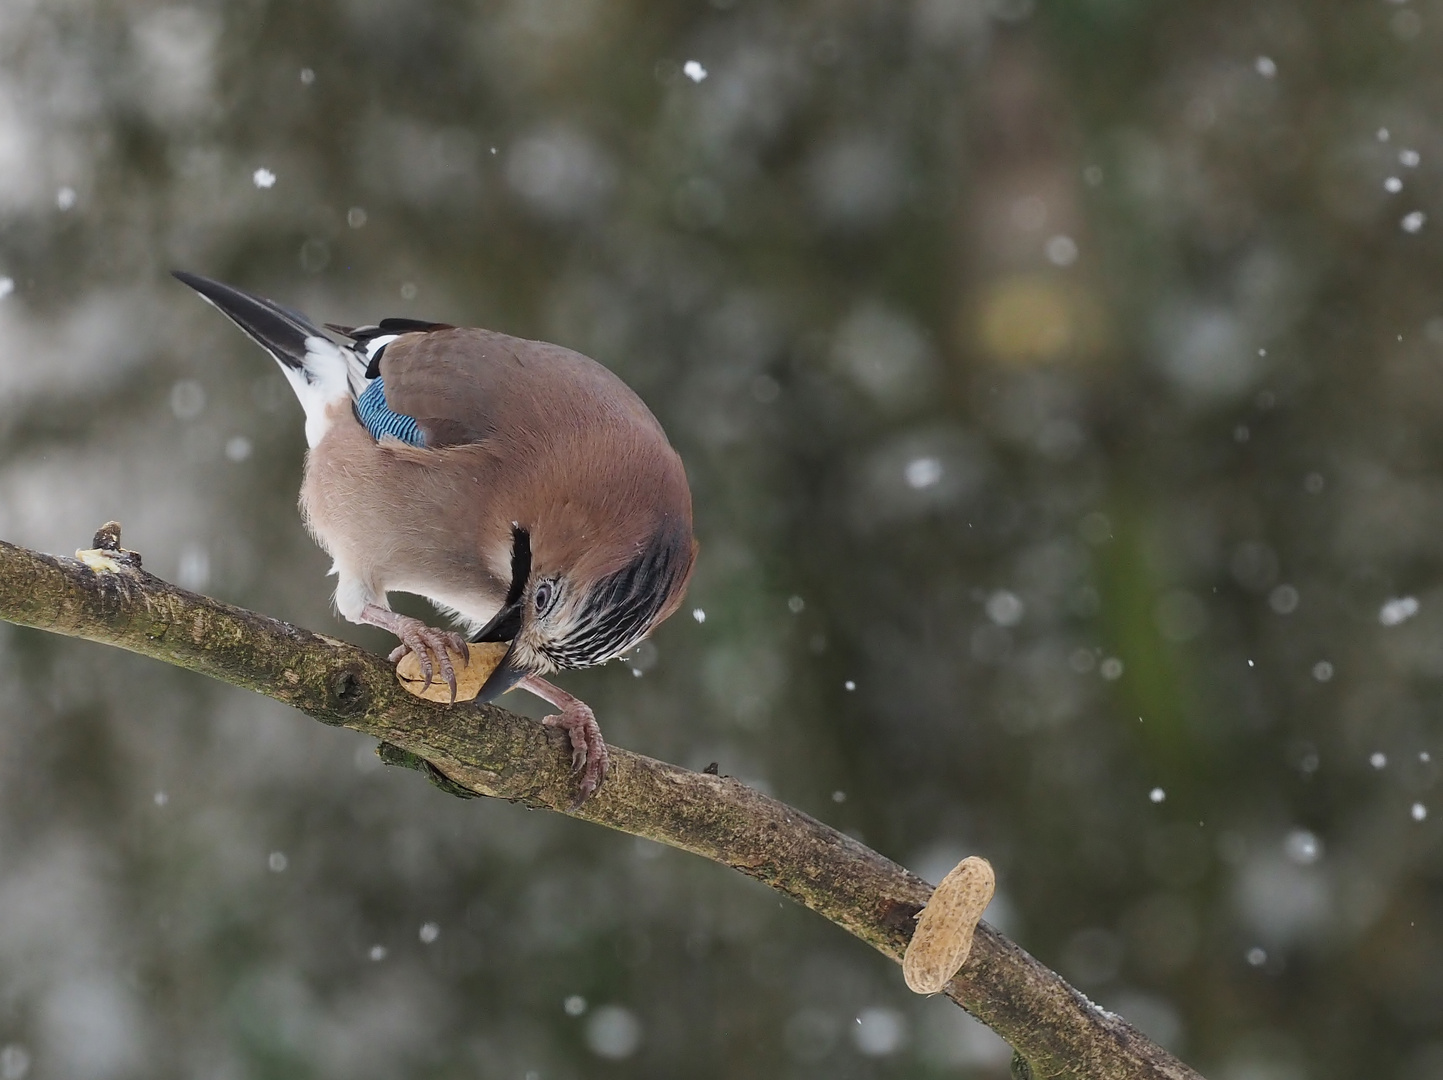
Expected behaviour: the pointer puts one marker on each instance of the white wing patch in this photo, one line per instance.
(360, 359)
(323, 378)
(376, 344)
(330, 373)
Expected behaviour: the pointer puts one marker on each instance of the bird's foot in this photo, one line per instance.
(431, 646)
(589, 757)
(588, 748)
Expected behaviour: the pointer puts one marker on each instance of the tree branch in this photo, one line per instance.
(488, 751)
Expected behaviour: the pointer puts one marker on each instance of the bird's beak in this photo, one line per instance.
(505, 625)
(503, 678)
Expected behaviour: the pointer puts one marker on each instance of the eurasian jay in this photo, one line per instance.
(519, 486)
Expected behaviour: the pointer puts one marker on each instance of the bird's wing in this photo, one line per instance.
(463, 385)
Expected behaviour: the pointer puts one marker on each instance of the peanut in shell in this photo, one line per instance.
(470, 677)
(943, 938)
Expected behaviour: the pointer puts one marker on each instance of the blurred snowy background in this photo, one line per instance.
(1060, 386)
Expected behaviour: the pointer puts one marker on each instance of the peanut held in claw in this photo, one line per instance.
(943, 937)
(485, 656)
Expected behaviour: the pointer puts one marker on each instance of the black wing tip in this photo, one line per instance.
(364, 334)
(407, 326)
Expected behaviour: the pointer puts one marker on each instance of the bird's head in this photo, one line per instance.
(585, 611)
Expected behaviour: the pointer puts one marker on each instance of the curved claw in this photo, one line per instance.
(429, 644)
(432, 648)
(589, 756)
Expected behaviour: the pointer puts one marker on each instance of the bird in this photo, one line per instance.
(522, 488)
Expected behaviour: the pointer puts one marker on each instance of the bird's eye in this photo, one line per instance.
(545, 593)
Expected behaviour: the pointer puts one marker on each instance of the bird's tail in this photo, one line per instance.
(319, 371)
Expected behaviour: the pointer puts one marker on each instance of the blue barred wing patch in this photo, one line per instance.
(379, 420)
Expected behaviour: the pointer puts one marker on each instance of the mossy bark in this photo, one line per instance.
(485, 750)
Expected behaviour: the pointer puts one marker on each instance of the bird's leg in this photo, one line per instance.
(588, 748)
(428, 643)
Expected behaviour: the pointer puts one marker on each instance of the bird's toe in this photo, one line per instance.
(433, 649)
(593, 772)
(448, 674)
(458, 645)
(589, 757)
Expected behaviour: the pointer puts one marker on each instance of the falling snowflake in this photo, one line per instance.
(923, 472)
(1398, 610)
(1061, 250)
